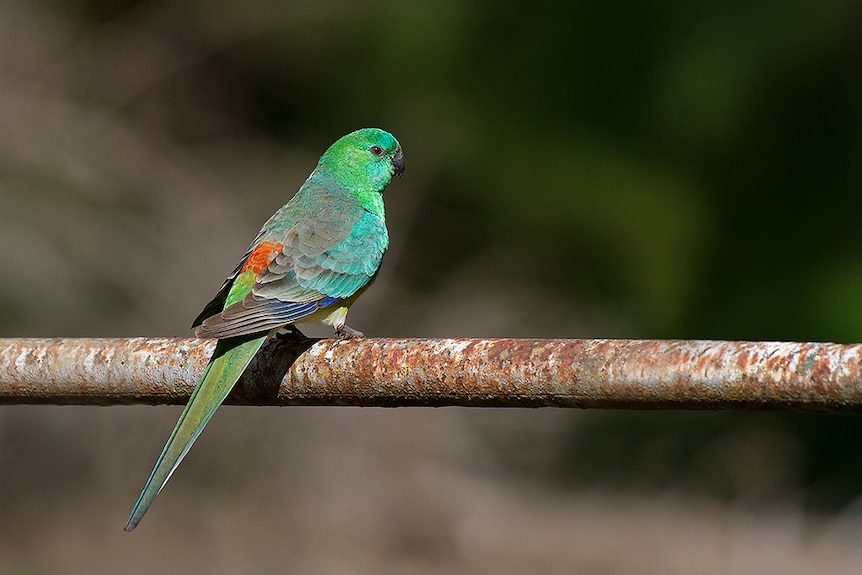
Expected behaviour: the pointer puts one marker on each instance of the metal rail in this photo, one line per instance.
(600, 373)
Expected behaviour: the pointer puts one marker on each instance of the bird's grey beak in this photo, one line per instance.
(398, 162)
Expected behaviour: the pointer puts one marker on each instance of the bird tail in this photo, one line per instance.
(229, 360)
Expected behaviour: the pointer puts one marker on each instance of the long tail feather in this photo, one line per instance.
(229, 360)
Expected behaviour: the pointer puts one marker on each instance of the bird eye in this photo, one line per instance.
(376, 150)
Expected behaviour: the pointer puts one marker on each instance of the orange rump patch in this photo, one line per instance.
(260, 257)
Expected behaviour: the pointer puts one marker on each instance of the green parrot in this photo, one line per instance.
(309, 262)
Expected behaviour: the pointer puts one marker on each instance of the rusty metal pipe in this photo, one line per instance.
(598, 373)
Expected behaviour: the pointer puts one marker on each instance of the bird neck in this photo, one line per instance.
(371, 202)
(364, 188)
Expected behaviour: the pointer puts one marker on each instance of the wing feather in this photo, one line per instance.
(324, 259)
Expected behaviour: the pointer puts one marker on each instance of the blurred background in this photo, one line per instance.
(592, 169)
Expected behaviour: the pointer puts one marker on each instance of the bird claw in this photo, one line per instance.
(347, 332)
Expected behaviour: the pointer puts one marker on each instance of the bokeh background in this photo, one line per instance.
(662, 169)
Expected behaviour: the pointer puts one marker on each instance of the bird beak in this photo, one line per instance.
(398, 162)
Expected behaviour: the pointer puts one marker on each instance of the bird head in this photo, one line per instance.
(364, 160)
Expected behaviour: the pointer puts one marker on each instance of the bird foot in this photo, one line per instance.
(347, 332)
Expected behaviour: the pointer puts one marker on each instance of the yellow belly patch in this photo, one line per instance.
(336, 317)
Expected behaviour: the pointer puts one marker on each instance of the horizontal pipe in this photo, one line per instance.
(597, 373)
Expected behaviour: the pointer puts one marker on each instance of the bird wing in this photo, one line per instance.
(322, 260)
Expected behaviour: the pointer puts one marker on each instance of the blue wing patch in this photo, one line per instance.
(255, 316)
(327, 301)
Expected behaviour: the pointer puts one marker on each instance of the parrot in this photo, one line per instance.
(309, 263)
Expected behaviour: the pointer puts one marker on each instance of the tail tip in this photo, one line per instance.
(130, 526)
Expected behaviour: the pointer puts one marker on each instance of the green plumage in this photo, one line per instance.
(309, 262)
